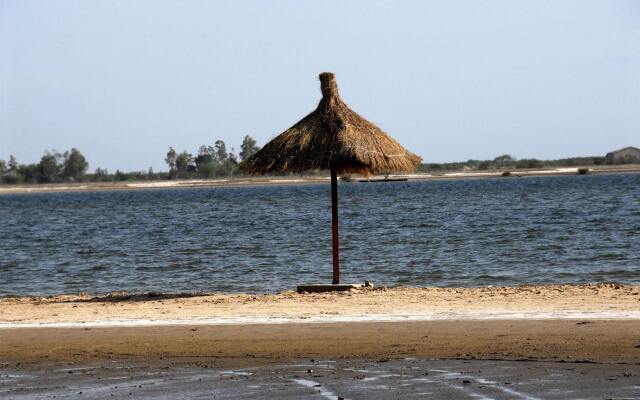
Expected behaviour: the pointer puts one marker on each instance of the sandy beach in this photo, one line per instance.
(602, 301)
(238, 345)
(559, 322)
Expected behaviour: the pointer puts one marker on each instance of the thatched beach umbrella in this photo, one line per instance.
(336, 138)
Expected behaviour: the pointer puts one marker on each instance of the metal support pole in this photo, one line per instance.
(334, 225)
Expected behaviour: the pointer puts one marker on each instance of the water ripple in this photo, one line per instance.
(261, 239)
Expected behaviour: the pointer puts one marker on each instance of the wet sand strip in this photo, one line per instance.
(238, 345)
(325, 379)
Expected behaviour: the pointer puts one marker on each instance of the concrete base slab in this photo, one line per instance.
(332, 288)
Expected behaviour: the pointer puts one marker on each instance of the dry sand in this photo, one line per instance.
(602, 301)
(558, 322)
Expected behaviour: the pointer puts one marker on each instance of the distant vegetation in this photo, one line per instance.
(71, 166)
(210, 162)
(215, 161)
(53, 167)
(507, 161)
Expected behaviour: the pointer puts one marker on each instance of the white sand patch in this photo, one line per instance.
(287, 180)
(152, 184)
(258, 320)
(164, 184)
(472, 174)
(554, 171)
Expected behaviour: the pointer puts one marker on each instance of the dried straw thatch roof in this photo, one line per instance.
(332, 135)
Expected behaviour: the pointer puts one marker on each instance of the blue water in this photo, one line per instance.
(505, 231)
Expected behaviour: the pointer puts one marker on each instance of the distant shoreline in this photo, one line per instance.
(297, 180)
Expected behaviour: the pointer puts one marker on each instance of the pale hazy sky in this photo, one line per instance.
(451, 80)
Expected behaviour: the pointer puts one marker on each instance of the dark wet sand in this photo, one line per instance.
(525, 359)
(325, 379)
(238, 345)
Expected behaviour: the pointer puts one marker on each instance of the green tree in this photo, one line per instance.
(3, 167)
(12, 174)
(120, 176)
(220, 151)
(248, 148)
(101, 175)
(184, 161)
(231, 165)
(205, 162)
(28, 173)
(504, 158)
(9, 172)
(13, 164)
(48, 168)
(170, 159)
(529, 163)
(232, 156)
(74, 165)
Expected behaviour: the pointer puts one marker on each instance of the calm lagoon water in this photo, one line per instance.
(505, 231)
